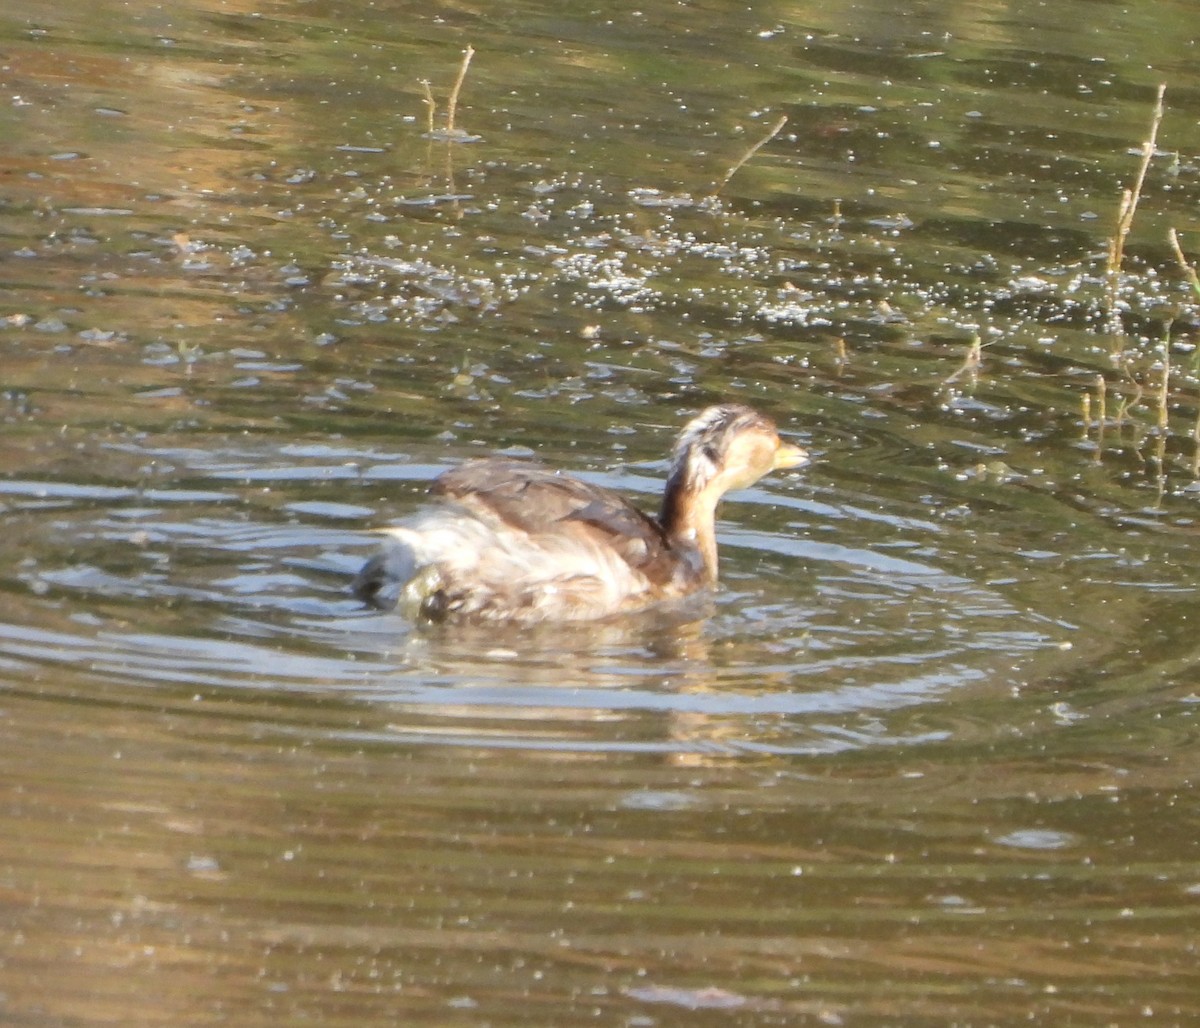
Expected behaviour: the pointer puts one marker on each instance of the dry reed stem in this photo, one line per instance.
(430, 104)
(775, 130)
(1188, 270)
(1164, 385)
(1196, 446)
(1128, 207)
(452, 103)
(971, 363)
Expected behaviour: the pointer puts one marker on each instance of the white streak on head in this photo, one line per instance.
(703, 444)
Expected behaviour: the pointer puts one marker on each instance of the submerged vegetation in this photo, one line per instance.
(1149, 385)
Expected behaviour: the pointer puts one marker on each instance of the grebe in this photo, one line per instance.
(520, 542)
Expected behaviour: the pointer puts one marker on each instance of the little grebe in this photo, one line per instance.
(524, 543)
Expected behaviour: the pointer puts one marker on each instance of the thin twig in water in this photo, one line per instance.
(1196, 446)
(1164, 385)
(1128, 405)
(840, 357)
(1188, 270)
(1129, 203)
(430, 104)
(970, 365)
(452, 103)
(775, 130)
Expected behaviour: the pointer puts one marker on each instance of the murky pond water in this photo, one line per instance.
(929, 756)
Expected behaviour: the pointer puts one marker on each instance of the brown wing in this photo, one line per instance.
(537, 500)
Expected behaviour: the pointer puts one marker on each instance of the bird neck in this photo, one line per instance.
(688, 518)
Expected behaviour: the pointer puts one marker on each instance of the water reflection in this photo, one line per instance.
(812, 647)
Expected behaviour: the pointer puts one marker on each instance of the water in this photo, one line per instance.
(927, 757)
